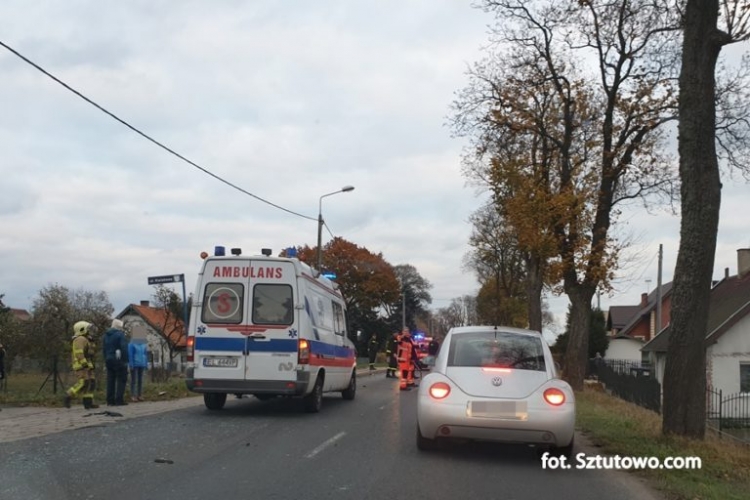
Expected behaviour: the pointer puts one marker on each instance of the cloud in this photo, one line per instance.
(288, 100)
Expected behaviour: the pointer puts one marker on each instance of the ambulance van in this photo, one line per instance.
(267, 326)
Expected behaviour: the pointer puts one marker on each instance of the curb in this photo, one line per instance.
(24, 422)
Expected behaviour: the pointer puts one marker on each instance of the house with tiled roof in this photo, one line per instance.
(727, 334)
(631, 327)
(618, 317)
(20, 314)
(161, 330)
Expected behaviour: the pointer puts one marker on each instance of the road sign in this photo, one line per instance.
(172, 278)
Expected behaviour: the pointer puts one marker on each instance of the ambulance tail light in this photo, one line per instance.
(303, 352)
(190, 349)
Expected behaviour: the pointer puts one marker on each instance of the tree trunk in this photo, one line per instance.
(576, 353)
(534, 284)
(685, 372)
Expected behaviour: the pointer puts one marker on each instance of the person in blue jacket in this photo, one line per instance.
(115, 347)
(138, 360)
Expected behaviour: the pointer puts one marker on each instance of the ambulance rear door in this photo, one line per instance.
(220, 341)
(272, 330)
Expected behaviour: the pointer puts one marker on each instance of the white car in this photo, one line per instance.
(496, 384)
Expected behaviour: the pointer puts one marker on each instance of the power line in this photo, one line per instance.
(146, 136)
(645, 269)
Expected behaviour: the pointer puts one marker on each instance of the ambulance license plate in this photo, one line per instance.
(220, 362)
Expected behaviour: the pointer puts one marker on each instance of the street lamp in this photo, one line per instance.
(344, 189)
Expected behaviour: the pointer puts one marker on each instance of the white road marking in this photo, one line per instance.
(325, 444)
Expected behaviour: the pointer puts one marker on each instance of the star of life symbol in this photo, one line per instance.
(292, 333)
(201, 330)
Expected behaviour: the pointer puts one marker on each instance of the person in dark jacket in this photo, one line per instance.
(433, 347)
(372, 350)
(2, 363)
(115, 347)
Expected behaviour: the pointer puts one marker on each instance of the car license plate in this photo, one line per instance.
(220, 362)
(514, 410)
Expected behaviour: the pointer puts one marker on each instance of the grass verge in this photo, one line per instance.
(622, 428)
(30, 389)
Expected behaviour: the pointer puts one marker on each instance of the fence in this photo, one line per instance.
(730, 411)
(628, 380)
(631, 381)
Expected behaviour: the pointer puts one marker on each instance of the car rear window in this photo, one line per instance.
(497, 350)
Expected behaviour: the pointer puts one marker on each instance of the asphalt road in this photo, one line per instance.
(361, 449)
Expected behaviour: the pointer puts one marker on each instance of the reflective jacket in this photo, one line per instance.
(83, 353)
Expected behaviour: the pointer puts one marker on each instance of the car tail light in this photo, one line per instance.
(555, 397)
(190, 349)
(440, 390)
(303, 352)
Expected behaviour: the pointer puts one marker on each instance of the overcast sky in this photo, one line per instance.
(288, 100)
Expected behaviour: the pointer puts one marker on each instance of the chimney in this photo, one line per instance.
(644, 299)
(144, 303)
(743, 262)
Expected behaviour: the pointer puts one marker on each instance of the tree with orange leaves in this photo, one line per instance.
(560, 145)
(367, 282)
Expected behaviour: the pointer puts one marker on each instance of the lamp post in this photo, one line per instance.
(344, 189)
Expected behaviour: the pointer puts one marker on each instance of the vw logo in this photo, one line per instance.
(497, 381)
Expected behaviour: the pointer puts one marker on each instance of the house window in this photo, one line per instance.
(744, 377)
(645, 358)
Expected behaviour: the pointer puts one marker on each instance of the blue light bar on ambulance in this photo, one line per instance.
(291, 252)
(330, 275)
(220, 251)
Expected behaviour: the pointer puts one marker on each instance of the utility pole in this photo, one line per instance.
(658, 294)
(403, 310)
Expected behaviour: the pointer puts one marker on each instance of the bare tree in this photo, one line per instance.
(171, 325)
(53, 314)
(460, 312)
(594, 139)
(500, 267)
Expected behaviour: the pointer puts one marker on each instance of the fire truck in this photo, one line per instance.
(422, 342)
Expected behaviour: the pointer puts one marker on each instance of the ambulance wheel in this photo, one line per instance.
(214, 400)
(314, 400)
(350, 391)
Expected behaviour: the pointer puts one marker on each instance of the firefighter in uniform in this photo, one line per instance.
(390, 351)
(407, 356)
(83, 365)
